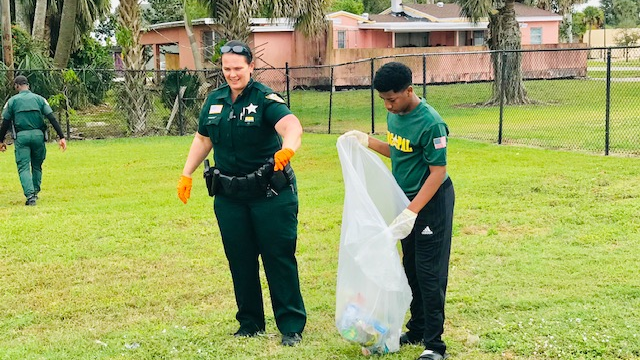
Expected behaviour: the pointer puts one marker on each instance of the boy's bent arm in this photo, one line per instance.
(379, 146)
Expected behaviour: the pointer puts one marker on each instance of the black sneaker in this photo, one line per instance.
(291, 339)
(407, 339)
(432, 355)
(31, 201)
(246, 333)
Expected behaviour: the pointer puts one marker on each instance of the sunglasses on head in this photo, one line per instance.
(236, 49)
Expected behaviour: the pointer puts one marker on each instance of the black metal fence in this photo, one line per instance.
(571, 102)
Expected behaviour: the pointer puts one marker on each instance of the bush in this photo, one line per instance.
(172, 83)
(93, 63)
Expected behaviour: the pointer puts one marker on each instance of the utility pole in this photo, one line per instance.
(7, 46)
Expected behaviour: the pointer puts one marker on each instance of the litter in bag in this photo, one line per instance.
(373, 294)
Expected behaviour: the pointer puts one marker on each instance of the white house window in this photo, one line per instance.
(536, 35)
(342, 39)
(209, 40)
(478, 38)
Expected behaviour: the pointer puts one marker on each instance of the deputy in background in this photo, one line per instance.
(24, 113)
(253, 135)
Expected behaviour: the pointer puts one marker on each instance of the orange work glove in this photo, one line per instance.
(184, 188)
(281, 158)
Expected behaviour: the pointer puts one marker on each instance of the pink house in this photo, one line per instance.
(428, 25)
(275, 41)
(424, 29)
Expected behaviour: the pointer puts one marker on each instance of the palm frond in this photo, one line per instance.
(475, 10)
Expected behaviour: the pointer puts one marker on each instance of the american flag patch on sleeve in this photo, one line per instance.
(440, 143)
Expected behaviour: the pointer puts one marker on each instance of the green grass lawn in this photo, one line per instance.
(111, 265)
(615, 62)
(565, 114)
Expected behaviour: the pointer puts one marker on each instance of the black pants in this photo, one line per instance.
(265, 227)
(426, 262)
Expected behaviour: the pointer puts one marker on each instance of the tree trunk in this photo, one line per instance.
(135, 100)
(39, 19)
(66, 33)
(569, 18)
(504, 34)
(7, 44)
(22, 20)
(195, 48)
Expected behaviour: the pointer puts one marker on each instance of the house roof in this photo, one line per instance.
(336, 14)
(390, 18)
(257, 24)
(447, 12)
(453, 10)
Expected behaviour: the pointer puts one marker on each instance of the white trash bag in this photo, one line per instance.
(372, 295)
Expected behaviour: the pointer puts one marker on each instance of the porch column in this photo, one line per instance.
(156, 56)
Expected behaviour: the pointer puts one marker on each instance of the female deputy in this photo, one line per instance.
(248, 125)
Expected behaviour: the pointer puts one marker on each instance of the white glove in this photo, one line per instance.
(403, 224)
(362, 137)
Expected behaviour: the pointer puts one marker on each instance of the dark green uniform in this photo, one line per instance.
(244, 138)
(26, 110)
(418, 140)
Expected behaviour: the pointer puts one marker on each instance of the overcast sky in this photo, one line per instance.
(581, 7)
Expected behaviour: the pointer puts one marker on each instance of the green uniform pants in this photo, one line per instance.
(30, 154)
(265, 227)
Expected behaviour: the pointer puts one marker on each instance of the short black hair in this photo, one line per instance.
(393, 76)
(246, 50)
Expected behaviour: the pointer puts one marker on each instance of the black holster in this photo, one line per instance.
(211, 178)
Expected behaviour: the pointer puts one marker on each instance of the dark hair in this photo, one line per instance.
(393, 76)
(237, 47)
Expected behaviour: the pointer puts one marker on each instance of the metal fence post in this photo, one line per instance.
(330, 98)
(424, 76)
(503, 77)
(373, 112)
(286, 74)
(608, 106)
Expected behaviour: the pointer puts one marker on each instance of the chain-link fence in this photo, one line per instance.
(556, 98)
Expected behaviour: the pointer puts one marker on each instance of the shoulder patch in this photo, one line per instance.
(275, 97)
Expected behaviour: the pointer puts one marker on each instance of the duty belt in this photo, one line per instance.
(262, 182)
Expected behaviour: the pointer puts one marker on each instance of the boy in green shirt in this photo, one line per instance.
(416, 142)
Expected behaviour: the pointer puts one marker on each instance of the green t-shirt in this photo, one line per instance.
(243, 133)
(416, 140)
(26, 110)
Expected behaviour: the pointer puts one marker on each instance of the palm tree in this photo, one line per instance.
(134, 102)
(7, 44)
(66, 34)
(39, 18)
(48, 25)
(504, 34)
(593, 16)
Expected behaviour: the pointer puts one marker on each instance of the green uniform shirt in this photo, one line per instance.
(26, 109)
(417, 140)
(243, 133)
